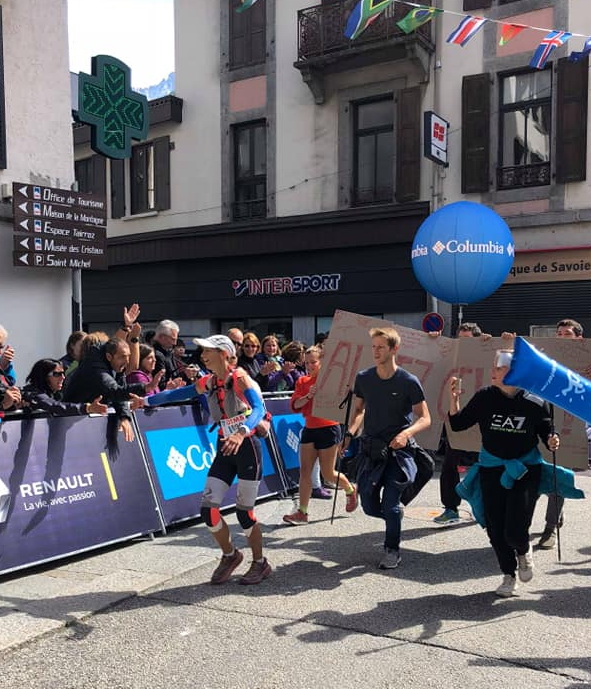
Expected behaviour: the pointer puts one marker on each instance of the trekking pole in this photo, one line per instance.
(346, 402)
(552, 431)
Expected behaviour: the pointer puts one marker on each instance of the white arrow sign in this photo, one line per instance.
(23, 207)
(24, 224)
(24, 259)
(25, 243)
(23, 191)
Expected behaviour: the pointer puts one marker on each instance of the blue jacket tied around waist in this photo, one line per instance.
(469, 489)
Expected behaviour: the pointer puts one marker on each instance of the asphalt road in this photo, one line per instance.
(145, 616)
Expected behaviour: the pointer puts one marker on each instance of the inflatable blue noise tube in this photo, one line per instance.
(184, 394)
(534, 371)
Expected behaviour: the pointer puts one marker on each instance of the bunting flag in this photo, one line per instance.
(363, 14)
(246, 4)
(467, 28)
(509, 31)
(577, 57)
(417, 17)
(547, 46)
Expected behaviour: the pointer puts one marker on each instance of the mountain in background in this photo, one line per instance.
(160, 90)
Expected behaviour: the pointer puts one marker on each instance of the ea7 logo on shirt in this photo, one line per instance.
(509, 424)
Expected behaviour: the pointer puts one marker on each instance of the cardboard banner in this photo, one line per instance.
(434, 361)
(180, 446)
(62, 494)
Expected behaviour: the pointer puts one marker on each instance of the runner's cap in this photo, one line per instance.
(220, 342)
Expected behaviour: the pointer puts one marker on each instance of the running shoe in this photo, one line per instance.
(525, 566)
(321, 493)
(257, 572)
(227, 565)
(508, 587)
(298, 517)
(391, 559)
(448, 516)
(352, 501)
(548, 539)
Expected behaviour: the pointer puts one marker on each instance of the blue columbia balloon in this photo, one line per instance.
(462, 253)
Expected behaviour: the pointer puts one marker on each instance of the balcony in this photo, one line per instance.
(324, 49)
(535, 175)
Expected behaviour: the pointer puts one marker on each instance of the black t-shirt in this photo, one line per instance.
(389, 402)
(510, 426)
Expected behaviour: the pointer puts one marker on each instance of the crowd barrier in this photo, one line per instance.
(65, 490)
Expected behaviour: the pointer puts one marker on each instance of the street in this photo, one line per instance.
(327, 617)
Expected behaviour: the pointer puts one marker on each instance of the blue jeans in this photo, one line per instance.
(383, 501)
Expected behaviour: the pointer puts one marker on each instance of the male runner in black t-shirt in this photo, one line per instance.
(386, 399)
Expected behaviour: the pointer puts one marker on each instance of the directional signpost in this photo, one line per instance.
(58, 228)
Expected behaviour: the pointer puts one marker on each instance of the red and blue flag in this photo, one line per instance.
(547, 46)
(467, 28)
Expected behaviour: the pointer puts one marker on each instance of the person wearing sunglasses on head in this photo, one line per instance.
(43, 391)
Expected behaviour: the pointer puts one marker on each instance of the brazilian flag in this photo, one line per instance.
(417, 17)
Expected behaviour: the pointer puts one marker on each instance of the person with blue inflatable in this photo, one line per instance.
(567, 329)
(503, 487)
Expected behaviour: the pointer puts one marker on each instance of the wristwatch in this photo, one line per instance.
(243, 429)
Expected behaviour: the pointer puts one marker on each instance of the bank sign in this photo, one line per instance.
(299, 284)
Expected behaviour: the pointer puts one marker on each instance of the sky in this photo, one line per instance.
(137, 32)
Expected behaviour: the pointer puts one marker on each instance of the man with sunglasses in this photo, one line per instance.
(237, 337)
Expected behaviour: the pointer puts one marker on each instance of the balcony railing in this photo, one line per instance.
(321, 29)
(535, 175)
(249, 210)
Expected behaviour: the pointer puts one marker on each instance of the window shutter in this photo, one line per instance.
(162, 173)
(475, 134)
(117, 188)
(408, 145)
(98, 184)
(476, 4)
(571, 120)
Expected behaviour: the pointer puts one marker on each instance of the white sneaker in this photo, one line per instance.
(508, 587)
(525, 566)
(391, 559)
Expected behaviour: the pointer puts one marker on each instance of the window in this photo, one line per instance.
(525, 129)
(250, 171)
(150, 176)
(373, 164)
(91, 175)
(247, 34)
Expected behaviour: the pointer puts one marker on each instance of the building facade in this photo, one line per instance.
(35, 148)
(292, 180)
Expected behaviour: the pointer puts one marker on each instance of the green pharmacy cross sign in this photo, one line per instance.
(115, 113)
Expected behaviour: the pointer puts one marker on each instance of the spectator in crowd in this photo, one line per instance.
(101, 374)
(72, 356)
(44, 391)
(145, 375)
(237, 337)
(274, 369)
(320, 339)
(148, 336)
(165, 339)
(247, 360)
(292, 353)
(453, 459)
(6, 359)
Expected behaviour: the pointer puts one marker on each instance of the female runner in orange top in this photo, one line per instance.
(320, 439)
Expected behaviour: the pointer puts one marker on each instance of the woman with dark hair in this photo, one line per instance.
(43, 392)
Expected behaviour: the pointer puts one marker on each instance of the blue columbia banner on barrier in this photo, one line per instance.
(62, 493)
(180, 447)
